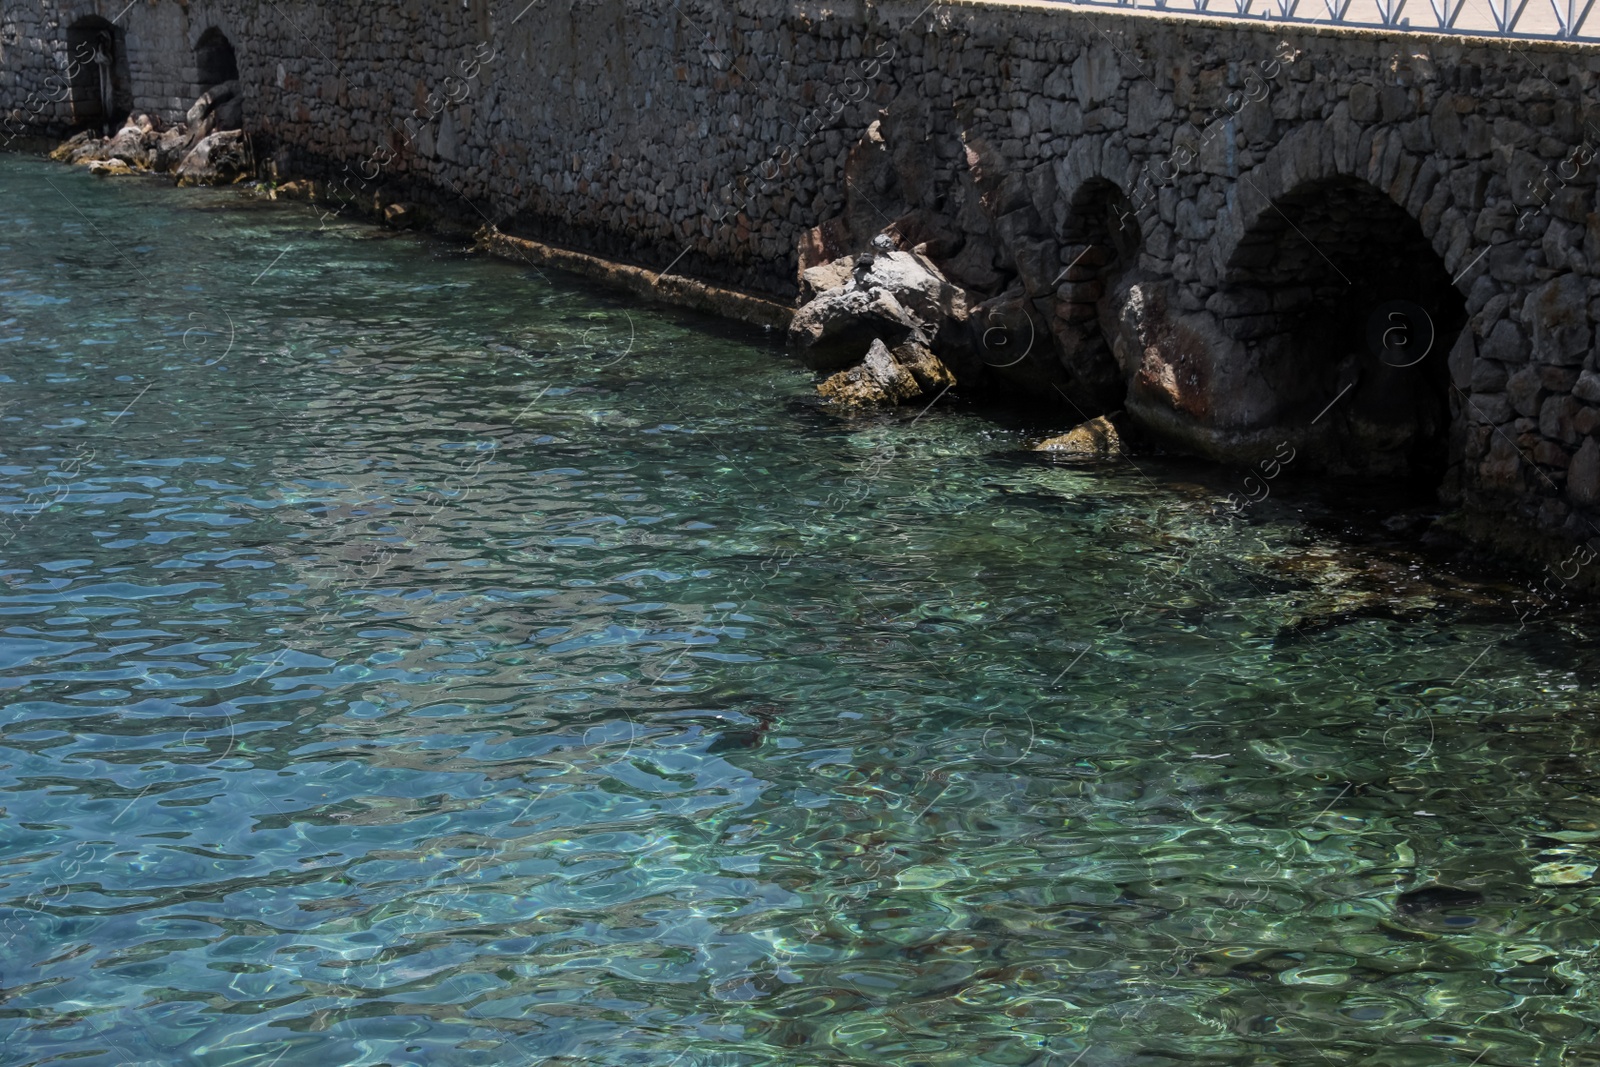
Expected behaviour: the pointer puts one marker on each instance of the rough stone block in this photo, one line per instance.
(1583, 475)
(1558, 318)
(1501, 470)
(1491, 409)
(1557, 418)
(1526, 392)
(1588, 387)
(1363, 102)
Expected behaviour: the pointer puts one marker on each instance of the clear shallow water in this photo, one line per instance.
(412, 659)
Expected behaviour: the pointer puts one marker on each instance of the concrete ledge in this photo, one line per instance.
(667, 289)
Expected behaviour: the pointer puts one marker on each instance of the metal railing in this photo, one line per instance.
(1565, 20)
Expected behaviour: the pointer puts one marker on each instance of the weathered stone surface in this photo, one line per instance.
(878, 380)
(1488, 376)
(170, 148)
(68, 149)
(1505, 343)
(973, 266)
(926, 234)
(108, 167)
(889, 296)
(135, 143)
(1557, 312)
(217, 160)
(1012, 342)
(1525, 391)
(814, 281)
(1583, 475)
(402, 216)
(1097, 438)
(1489, 408)
(1588, 387)
(1556, 418)
(134, 146)
(826, 242)
(1502, 469)
(836, 328)
(210, 102)
(929, 371)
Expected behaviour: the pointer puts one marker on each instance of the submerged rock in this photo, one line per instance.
(1563, 873)
(879, 380)
(931, 374)
(1097, 438)
(401, 216)
(1437, 898)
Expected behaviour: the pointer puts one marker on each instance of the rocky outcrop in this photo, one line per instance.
(218, 159)
(838, 327)
(207, 149)
(136, 147)
(882, 301)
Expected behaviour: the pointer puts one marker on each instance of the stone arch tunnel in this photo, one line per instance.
(215, 62)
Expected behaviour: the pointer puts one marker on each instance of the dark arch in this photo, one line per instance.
(1099, 242)
(1308, 290)
(214, 60)
(85, 38)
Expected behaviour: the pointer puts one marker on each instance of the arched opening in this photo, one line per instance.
(1099, 243)
(214, 60)
(98, 62)
(1348, 316)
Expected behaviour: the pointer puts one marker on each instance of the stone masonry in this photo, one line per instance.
(1207, 224)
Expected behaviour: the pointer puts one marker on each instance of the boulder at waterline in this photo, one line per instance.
(1097, 438)
(879, 381)
(219, 159)
(889, 296)
(836, 328)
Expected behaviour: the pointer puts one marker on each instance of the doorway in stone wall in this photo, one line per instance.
(98, 59)
(214, 60)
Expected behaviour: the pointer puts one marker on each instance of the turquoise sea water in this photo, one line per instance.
(410, 658)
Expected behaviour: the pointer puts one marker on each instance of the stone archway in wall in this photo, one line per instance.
(1347, 315)
(1099, 243)
(214, 60)
(96, 53)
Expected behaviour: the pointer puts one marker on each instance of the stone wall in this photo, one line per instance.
(1188, 218)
